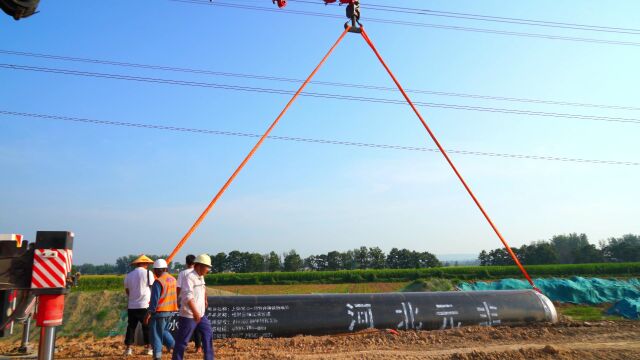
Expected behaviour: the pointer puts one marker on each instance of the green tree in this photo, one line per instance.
(501, 256)
(484, 259)
(322, 262)
(123, 264)
(316, 262)
(376, 258)
(566, 246)
(236, 262)
(310, 262)
(333, 260)
(347, 260)
(393, 259)
(106, 269)
(292, 261)
(255, 262)
(361, 257)
(623, 249)
(426, 260)
(538, 253)
(274, 263)
(588, 254)
(85, 269)
(219, 262)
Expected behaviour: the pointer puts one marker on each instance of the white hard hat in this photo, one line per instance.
(203, 259)
(160, 264)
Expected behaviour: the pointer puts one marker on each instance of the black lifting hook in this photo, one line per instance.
(353, 13)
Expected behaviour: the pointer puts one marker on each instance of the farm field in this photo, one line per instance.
(379, 287)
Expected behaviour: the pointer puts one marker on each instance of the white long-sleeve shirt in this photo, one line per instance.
(193, 288)
(139, 282)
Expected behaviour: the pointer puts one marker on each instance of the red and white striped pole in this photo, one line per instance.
(51, 266)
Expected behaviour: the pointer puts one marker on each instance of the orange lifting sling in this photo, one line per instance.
(354, 29)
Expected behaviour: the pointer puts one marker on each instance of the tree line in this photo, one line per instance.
(122, 266)
(568, 249)
(560, 249)
(360, 258)
(245, 262)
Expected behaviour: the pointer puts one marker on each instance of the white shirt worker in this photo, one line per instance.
(193, 288)
(182, 277)
(138, 281)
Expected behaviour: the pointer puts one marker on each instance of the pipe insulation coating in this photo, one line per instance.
(323, 314)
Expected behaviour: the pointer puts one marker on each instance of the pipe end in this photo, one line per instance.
(549, 309)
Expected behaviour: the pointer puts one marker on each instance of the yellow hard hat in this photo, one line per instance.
(203, 259)
(143, 259)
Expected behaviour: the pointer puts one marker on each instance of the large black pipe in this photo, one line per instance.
(321, 314)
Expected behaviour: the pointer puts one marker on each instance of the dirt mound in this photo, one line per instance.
(567, 340)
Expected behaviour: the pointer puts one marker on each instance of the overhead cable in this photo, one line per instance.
(498, 19)
(308, 140)
(316, 94)
(292, 80)
(414, 24)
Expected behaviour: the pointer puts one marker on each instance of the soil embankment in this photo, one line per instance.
(566, 340)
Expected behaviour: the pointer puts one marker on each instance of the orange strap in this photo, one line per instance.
(446, 156)
(255, 148)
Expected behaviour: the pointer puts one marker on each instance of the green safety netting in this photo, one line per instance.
(576, 290)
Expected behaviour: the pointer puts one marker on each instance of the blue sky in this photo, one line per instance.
(126, 190)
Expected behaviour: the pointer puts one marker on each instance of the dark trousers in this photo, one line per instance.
(136, 316)
(197, 338)
(186, 327)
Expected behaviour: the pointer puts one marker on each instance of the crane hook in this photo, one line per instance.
(353, 13)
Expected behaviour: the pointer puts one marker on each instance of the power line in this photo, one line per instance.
(308, 140)
(316, 94)
(414, 24)
(499, 19)
(292, 80)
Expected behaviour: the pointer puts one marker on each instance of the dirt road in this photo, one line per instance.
(567, 340)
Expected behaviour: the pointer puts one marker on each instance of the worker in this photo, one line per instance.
(193, 296)
(164, 302)
(137, 285)
(197, 337)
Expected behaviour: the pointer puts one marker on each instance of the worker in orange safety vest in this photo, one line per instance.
(164, 303)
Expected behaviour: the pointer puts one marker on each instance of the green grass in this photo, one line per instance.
(587, 313)
(457, 273)
(102, 314)
(100, 282)
(436, 284)
(359, 288)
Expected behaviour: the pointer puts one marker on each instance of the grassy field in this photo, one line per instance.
(457, 273)
(379, 287)
(586, 312)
